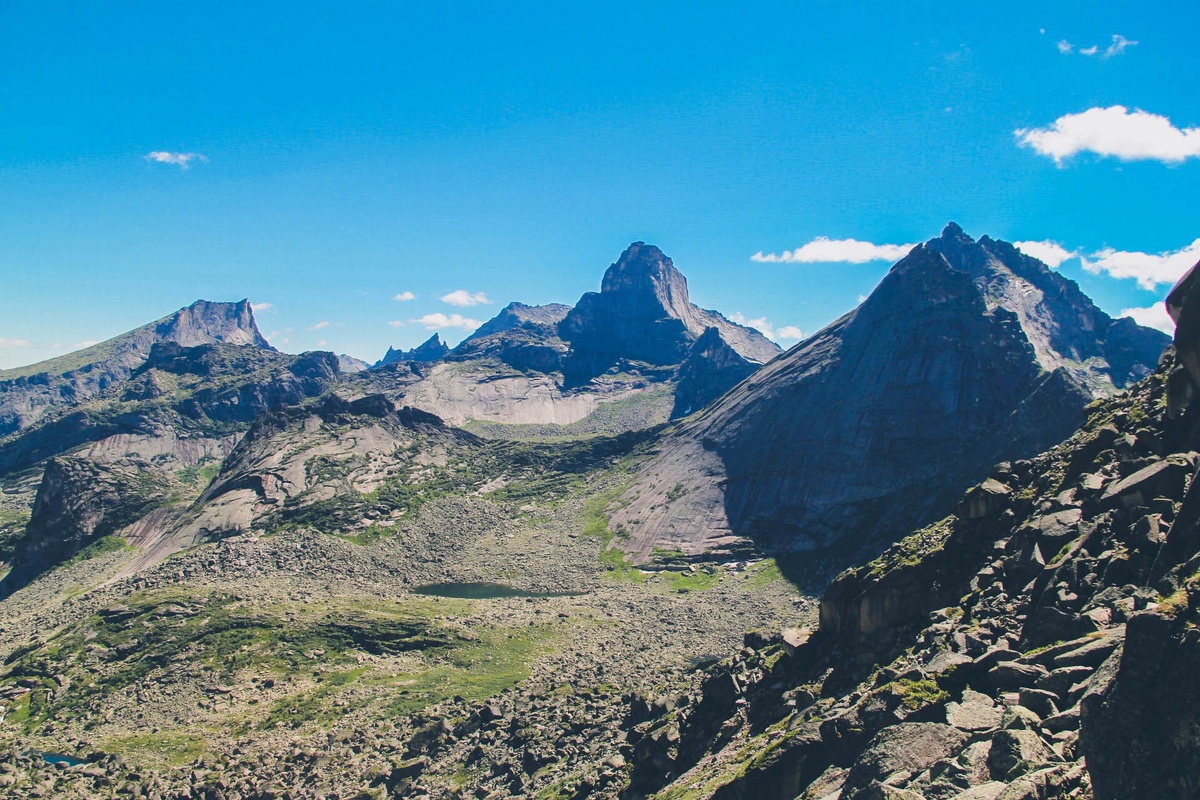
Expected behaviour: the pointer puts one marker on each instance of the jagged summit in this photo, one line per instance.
(28, 392)
(1063, 325)
(432, 349)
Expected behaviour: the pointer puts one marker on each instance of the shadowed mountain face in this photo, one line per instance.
(643, 313)
(29, 392)
(967, 353)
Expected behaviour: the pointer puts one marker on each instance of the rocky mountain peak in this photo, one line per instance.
(206, 322)
(643, 313)
(647, 279)
(27, 393)
(1065, 328)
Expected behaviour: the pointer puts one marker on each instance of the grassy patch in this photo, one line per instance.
(693, 582)
(916, 694)
(369, 535)
(105, 544)
(156, 634)
(1175, 603)
(910, 551)
(764, 574)
(174, 749)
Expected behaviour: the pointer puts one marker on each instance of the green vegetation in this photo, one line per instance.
(170, 748)
(595, 526)
(369, 535)
(693, 582)
(12, 528)
(105, 544)
(764, 574)
(918, 693)
(200, 476)
(911, 550)
(1175, 603)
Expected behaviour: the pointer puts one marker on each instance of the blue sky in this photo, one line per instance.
(325, 160)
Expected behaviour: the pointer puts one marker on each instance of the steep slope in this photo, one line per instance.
(1039, 642)
(29, 392)
(966, 353)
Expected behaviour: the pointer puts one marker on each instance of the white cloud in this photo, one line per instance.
(761, 324)
(825, 250)
(462, 298)
(85, 343)
(322, 343)
(262, 306)
(1119, 43)
(404, 297)
(1154, 316)
(764, 326)
(183, 160)
(1049, 253)
(12, 344)
(1113, 131)
(396, 323)
(320, 326)
(1148, 269)
(1118, 46)
(437, 321)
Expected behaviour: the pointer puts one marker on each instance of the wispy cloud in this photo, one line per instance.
(13, 344)
(261, 306)
(462, 298)
(1150, 270)
(789, 333)
(825, 250)
(1154, 316)
(182, 160)
(404, 297)
(1118, 46)
(1051, 253)
(438, 321)
(1114, 131)
(320, 326)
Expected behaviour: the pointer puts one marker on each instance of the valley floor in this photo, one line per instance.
(303, 664)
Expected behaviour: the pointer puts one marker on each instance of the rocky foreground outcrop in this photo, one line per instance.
(1039, 642)
(27, 393)
(967, 353)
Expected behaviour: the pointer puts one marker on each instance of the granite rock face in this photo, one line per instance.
(967, 353)
(27, 393)
(79, 501)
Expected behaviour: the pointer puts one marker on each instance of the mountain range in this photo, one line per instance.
(584, 552)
